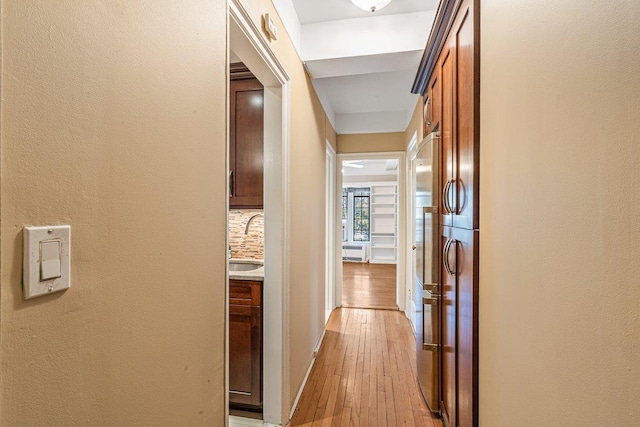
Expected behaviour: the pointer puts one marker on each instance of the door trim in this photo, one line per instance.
(256, 54)
(330, 232)
(401, 284)
(412, 151)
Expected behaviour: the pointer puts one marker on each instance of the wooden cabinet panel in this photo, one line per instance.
(245, 345)
(449, 318)
(446, 136)
(244, 292)
(246, 147)
(467, 149)
(459, 124)
(467, 324)
(459, 326)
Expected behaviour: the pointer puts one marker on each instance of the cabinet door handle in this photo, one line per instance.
(231, 184)
(445, 256)
(426, 114)
(453, 210)
(445, 202)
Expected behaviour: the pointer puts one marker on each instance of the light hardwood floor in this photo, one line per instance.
(364, 374)
(367, 285)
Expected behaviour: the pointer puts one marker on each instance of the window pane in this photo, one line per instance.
(361, 214)
(345, 202)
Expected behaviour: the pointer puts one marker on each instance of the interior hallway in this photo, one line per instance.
(366, 285)
(364, 374)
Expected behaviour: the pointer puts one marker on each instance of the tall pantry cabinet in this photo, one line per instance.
(448, 79)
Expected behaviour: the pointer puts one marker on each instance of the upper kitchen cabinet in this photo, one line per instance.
(449, 80)
(246, 139)
(466, 96)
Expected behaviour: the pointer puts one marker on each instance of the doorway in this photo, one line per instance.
(372, 230)
(247, 46)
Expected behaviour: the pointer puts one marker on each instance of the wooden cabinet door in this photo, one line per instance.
(466, 269)
(245, 345)
(246, 147)
(466, 106)
(447, 136)
(459, 326)
(449, 295)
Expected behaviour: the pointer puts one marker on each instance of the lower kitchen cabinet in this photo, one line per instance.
(459, 327)
(245, 345)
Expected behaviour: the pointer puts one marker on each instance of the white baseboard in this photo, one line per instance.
(317, 348)
(411, 315)
(306, 376)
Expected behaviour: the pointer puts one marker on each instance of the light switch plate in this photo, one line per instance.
(32, 263)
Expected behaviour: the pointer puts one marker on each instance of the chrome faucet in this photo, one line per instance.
(246, 229)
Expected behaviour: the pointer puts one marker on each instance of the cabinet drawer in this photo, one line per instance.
(244, 292)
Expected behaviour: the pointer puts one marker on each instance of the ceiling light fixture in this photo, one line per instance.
(371, 5)
(352, 164)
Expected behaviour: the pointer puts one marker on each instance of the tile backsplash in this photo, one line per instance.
(250, 246)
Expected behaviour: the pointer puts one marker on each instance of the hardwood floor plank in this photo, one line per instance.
(345, 420)
(364, 374)
(366, 285)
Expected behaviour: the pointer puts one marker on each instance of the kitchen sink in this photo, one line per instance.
(240, 265)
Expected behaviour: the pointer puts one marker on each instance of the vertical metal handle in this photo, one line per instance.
(435, 338)
(445, 256)
(426, 109)
(445, 201)
(452, 209)
(231, 184)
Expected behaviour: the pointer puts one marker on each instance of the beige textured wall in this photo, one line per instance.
(332, 137)
(371, 142)
(560, 210)
(309, 132)
(113, 121)
(250, 245)
(415, 124)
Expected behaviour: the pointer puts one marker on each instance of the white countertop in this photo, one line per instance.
(257, 274)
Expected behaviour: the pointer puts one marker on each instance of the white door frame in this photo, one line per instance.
(330, 247)
(401, 284)
(412, 151)
(256, 54)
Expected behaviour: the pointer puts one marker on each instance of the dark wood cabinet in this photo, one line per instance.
(449, 295)
(466, 125)
(459, 283)
(447, 136)
(460, 125)
(246, 139)
(466, 273)
(450, 71)
(245, 345)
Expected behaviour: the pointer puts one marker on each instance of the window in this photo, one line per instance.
(345, 204)
(355, 214)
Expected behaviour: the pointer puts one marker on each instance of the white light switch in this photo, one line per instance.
(49, 260)
(46, 260)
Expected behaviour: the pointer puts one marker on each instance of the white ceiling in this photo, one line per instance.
(373, 167)
(362, 64)
(310, 11)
